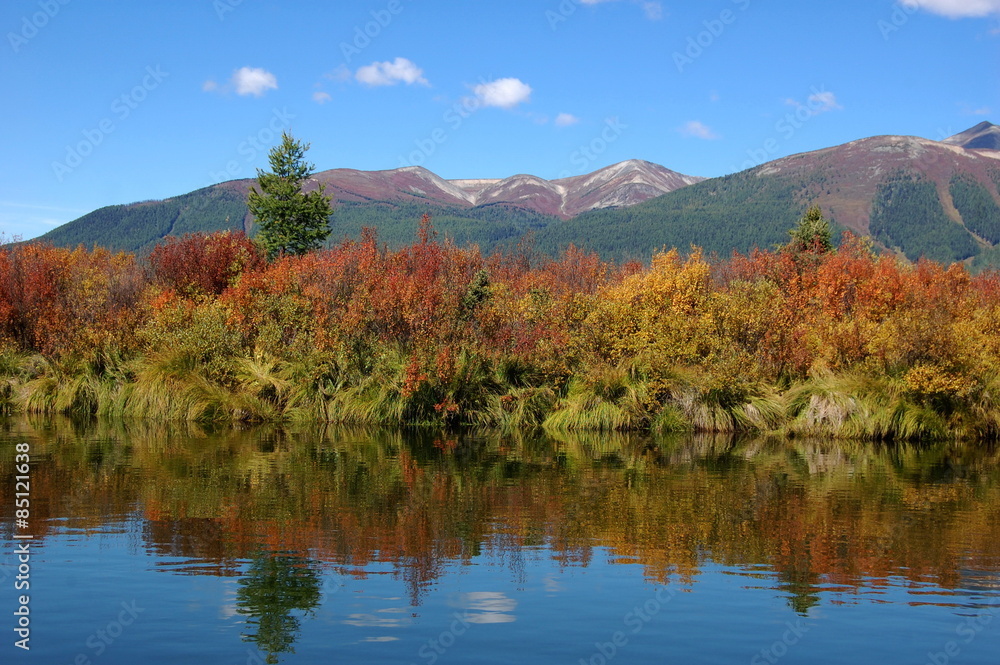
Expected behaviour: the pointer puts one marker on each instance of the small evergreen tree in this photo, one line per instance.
(812, 233)
(477, 293)
(290, 220)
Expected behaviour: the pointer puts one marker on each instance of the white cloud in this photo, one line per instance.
(654, 10)
(339, 75)
(399, 70)
(698, 130)
(253, 81)
(503, 93)
(957, 8)
(566, 119)
(820, 101)
(969, 109)
(823, 101)
(321, 97)
(209, 86)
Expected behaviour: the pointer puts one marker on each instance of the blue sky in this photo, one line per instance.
(114, 102)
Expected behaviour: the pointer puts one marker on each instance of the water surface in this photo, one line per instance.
(179, 544)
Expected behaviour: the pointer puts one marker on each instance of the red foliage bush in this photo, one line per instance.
(197, 263)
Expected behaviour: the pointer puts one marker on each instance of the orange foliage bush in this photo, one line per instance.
(773, 316)
(63, 302)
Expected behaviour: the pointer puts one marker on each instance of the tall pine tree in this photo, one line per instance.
(291, 221)
(812, 233)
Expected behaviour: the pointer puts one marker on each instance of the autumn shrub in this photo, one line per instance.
(663, 311)
(67, 303)
(205, 264)
(804, 339)
(190, 334)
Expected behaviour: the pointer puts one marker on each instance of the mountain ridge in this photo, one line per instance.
(950, 192)
(914, 196)
(397, 195)
(564, 198)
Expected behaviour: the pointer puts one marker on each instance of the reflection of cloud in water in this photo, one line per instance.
(372, 620)
(485, 606)
(490, 617)
(228, 609)
(384, 638)
(552, 585)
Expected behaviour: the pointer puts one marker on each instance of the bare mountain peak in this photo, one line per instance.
(639, 164)
(524, 177)
(623, 184)
(984, 126)
(630, 164)
(984, 136)
(416, 170)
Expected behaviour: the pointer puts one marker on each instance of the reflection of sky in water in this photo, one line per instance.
(371, 620)
(485, 606)
(552, 585)
(227, 609)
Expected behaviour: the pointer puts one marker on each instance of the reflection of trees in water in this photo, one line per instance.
(816, 513)
(273, 590)
(802, 586)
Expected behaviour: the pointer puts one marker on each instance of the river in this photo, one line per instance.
(189, 544)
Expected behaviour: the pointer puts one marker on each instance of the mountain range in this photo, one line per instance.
(619, 185)
(913, 196)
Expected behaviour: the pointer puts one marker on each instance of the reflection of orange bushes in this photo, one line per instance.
(866, 517)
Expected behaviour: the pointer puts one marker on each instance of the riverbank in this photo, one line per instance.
(851, 406)
(839, 343)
